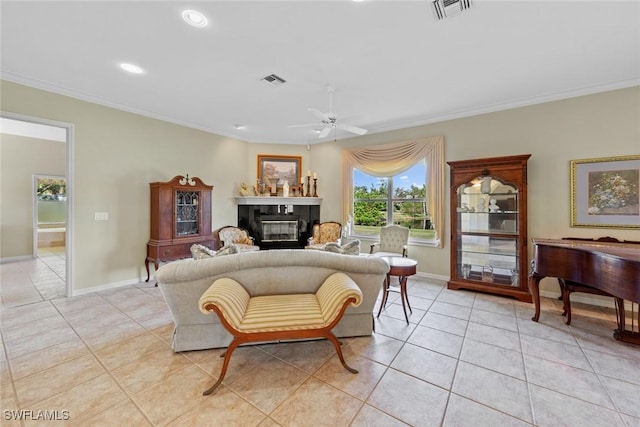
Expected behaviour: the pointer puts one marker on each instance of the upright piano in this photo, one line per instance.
(610, 267)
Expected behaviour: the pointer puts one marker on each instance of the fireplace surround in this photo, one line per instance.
(279, 222)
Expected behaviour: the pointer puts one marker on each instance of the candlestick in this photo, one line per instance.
(315, 187)
(302, 189)
(308, 187)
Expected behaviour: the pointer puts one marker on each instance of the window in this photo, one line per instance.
(400, 199)
(378, 184)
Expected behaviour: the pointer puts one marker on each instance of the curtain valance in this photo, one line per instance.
(392, 159)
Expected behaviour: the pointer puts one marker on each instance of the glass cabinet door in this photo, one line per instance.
(187, 213)
(487, 232)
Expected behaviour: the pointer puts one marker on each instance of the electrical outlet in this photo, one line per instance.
(101, 216)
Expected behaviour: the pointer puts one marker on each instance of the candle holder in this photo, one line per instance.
(308, 194)
(293, 191)
(301, 189)
(315, 187)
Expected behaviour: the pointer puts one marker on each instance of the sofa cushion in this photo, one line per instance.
(351, 248)
(200, 251)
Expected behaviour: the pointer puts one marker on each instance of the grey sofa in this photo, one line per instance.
(263, 273)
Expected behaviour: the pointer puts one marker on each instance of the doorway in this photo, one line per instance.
(52, 222)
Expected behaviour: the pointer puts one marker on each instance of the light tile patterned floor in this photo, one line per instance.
(466, 359)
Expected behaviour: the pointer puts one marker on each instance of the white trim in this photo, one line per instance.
(432, 276)
(108, 286)
(584, 298)
(69, 174)
(525, 102)
(517, 103)
(15, 258)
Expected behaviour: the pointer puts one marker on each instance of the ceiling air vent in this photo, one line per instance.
(274, 80)
(444, 8)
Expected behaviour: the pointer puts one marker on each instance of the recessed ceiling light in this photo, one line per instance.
(239, 127)
(131, 68)
(317, 130)
(195, 18)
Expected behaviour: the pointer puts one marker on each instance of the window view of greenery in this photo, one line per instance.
(52, 189)
(401, 198)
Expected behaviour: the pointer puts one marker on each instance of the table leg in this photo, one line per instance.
(146, 265)
(403, 296)
(534, 287)
(385, 294)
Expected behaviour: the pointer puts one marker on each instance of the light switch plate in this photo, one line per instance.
(101, 216)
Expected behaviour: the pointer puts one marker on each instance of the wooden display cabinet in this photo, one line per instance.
(489, 225)
(180, 217)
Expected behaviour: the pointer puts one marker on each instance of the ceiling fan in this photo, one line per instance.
(330, 120)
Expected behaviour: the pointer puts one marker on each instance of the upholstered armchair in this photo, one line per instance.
(393, 241)
(238, 237)
(324, 233)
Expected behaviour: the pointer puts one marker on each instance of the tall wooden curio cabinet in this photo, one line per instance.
(180, 217)
(489, 225)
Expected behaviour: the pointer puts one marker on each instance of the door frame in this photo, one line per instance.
(69, 175)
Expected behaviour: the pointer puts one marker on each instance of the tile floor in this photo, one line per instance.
(466, 359)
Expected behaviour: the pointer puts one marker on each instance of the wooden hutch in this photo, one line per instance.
(180, 217)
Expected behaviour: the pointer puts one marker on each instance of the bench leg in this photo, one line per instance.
(336, 344)
(225, 365)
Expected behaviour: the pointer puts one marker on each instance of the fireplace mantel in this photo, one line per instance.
(257, 200)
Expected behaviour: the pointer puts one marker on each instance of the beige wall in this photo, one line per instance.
(117, 154)
(601, 125)
(20, 159)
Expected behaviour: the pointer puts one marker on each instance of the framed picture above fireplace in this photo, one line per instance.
(275, 170)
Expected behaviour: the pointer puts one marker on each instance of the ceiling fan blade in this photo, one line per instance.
(352, 129)
(302, 126)
(324, 132)
(319, 114)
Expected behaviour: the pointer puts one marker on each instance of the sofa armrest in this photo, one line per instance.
(334, 292)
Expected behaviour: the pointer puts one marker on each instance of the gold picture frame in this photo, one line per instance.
(605, 192)
(278, 169)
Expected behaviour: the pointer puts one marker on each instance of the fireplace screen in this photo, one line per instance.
(279, 231)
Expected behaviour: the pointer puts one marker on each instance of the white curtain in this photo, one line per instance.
(392, 159)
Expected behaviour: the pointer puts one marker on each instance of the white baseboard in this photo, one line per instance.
(600, 301)
(432, 276)
(105, 287)
(16, 258)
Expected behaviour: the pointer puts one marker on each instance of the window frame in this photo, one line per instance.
(390, 200)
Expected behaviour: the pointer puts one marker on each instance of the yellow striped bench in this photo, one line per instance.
(279, 317)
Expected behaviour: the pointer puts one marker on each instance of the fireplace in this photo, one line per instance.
(278, 222)
(279, 231)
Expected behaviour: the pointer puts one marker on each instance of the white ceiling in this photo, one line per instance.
(392, 64)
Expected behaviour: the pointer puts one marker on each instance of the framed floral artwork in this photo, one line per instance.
(604, 192)
(275, 170)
